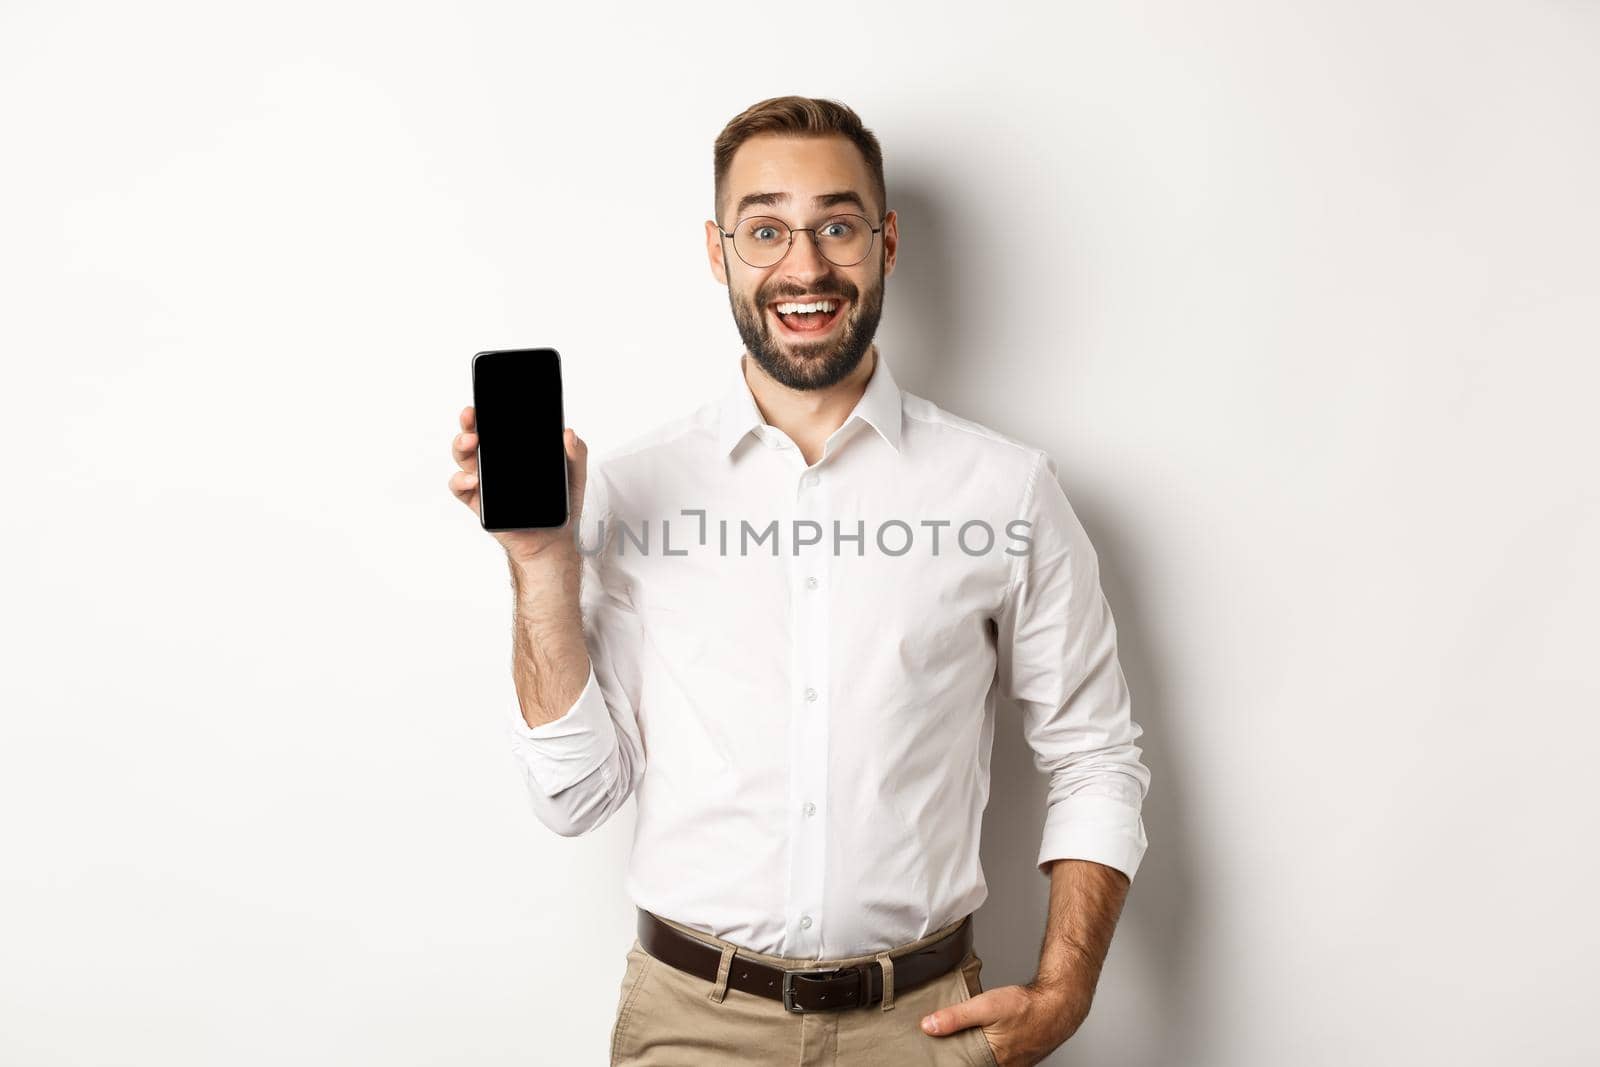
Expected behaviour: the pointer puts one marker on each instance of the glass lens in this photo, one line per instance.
(761, 241)
(843, 240)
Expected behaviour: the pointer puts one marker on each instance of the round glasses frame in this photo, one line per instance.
(812, 230)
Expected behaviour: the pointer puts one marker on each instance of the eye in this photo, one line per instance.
(763, 231)
(839, 227)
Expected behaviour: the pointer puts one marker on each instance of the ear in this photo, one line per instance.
(719, 268)
(891, 241)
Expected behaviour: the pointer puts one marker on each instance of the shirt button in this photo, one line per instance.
(811, 583)
(805, 922)
(811, 695)
(809, 480)
(811, 809)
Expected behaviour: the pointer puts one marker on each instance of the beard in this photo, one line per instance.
(804, 364)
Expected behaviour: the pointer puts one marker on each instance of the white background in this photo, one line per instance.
(1302, 296)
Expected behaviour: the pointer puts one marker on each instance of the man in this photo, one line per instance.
(787, 642)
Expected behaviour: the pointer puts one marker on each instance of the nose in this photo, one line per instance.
(805, 256)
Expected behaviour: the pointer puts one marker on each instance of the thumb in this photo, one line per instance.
(577, 472)
(981, 1010)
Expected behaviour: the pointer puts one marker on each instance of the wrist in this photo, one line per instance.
(551, 552)
(1068, 975)
(1066, 995)
(552, 567)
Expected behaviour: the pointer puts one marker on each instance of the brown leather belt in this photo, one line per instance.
(805, 989)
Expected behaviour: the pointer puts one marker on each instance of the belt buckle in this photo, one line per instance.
(788, 985)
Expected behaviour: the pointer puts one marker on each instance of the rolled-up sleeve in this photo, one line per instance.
(1057, 658)
(581, 768)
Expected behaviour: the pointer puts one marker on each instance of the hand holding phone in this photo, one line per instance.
(521, 469)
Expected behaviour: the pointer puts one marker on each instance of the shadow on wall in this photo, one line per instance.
(1145, 1010)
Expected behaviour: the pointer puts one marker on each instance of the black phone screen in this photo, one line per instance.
(522, 457)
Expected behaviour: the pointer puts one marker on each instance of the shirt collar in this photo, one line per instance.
(879, 407)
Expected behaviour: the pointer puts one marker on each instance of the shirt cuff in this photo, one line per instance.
(1094, 828)
(567, 750)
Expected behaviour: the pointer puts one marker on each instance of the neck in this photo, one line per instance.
(808, 416)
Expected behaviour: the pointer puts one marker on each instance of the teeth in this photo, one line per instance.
(818, 305)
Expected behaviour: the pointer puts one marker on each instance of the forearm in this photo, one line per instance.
(550, 661)
(1085, 902)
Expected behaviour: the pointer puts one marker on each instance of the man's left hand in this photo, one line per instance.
(1024, 1023)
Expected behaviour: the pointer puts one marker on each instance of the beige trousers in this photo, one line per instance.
(668, 1018)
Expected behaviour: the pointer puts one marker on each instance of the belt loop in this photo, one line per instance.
(725, 965)
(886, 961)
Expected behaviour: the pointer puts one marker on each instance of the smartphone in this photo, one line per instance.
(522, 454)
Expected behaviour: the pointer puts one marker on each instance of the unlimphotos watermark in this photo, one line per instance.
(891, 537)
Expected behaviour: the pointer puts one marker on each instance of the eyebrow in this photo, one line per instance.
(751, 200)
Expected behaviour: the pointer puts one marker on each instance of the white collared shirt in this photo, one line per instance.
(794, 671)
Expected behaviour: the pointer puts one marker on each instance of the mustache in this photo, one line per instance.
(843, 292)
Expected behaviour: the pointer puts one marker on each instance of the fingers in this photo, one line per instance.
(464, 485)
(978, 1011)
(464, 448)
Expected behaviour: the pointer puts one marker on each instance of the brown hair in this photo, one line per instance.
(797, 116)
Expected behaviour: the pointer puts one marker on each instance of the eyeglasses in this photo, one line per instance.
(763, 241)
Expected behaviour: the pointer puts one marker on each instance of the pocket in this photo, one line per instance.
(632, 979)
(971, 968)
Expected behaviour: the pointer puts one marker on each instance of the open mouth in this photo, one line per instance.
(801, 318)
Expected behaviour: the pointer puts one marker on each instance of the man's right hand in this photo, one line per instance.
(524, 546)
